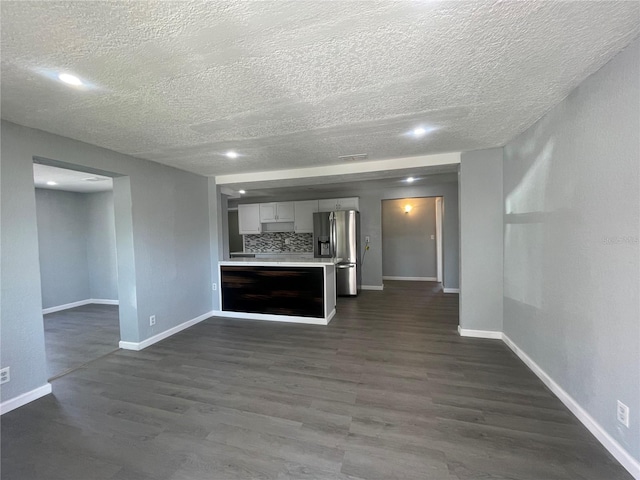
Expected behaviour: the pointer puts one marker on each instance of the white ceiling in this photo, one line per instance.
(70, 180)
(295, 84)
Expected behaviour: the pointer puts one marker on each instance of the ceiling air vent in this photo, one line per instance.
(355, 156)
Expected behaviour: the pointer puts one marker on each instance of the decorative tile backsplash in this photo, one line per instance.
(274, 242)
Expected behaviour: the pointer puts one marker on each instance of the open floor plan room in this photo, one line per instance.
(320, 240)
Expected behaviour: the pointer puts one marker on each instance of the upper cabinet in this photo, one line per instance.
(249, 219)
(304, 216)
(336, 204)
(299, 214)
(277, 212)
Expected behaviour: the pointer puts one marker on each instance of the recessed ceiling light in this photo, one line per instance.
(231, 154)
(51, 183)
(410, 180)
(70, 79)
(419, 132)
(242, 192)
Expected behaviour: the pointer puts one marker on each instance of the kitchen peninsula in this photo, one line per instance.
(299, 290)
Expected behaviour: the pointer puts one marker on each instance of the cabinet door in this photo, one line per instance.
(327, 205)
(268, 212)
(249, 219)
(304, 216)
(351, 203)
(285, 212)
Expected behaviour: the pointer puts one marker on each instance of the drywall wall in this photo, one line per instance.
(62, 241)
(77, 248)
(481, 241)
(101, 246)
(162, 225)
(371, 221)
(571, 229)
(407, 247)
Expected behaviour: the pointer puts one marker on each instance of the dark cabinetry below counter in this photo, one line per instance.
(295, 291)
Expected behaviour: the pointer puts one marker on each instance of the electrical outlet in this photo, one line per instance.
(622, 413)
(5, 375)
(152, 320)
(287, 241)
(367, 239)
(433, 237)
(214, 286)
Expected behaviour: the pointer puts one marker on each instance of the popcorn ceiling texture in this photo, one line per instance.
(273, 242)
(295, 84)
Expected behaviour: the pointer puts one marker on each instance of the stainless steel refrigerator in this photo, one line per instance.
(337, 235)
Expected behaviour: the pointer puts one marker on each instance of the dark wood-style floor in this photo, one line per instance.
(387, 391)
(79, 335)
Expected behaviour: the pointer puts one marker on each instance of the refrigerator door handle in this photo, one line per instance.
(351, 265)
(334, 237)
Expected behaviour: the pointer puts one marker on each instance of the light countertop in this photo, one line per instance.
(293, 261)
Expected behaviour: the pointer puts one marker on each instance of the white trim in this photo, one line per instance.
(167, 333)
(104, 301)
(466, 332)
(450, 290)
(617, 450)
(25, 398)
(452, 158)
(275, 318)
(439, 259)
(413, 279)
(66, 306)
(371, 287)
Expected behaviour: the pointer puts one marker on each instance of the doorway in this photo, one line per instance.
(78, 266)
(412, 239)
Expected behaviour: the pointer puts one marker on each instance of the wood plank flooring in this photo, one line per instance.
(388, 390)
(78, 335)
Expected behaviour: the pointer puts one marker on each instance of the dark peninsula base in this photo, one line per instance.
(293, 291)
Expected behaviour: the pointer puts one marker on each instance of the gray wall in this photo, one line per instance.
(481, 241)
(371, 221)
(162, 233)
(572, 222)
(407, 247)
(77, 249)
(62, 241)
(101, 246)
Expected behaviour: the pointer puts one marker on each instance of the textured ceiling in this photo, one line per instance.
(295, 84)
(70, 180)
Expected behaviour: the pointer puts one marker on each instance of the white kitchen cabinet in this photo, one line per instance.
(249, 219)
(277, 212)
(337, 204)
(304, 216)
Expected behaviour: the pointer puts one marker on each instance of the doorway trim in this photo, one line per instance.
(439, 256)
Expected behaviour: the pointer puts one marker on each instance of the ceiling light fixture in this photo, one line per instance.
(410, 180)
(70, 79)
(242, 192)
(51, 183)
(407, 208)
(231, 154)
(419, 132)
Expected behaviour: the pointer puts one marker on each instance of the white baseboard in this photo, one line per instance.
(66, 306)
(466, 332)
(20, 400)
(104, 301)
(371, 287)
(412, 279)
(274, 318)
(617, 450)
(137, 346)
(450, 290)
